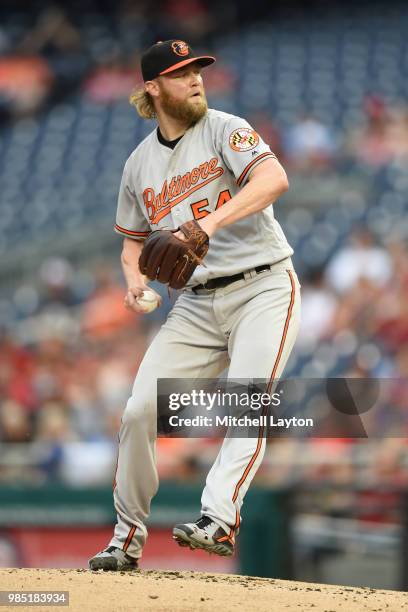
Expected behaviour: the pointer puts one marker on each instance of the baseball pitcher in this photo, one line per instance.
(195, 209)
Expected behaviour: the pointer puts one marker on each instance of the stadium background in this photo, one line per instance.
(326, 86)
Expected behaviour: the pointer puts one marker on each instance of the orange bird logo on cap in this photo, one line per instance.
(180, 47)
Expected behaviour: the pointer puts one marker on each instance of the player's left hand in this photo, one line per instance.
(171, 260)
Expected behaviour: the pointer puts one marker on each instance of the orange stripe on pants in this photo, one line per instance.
(129, 538)
(275, 367)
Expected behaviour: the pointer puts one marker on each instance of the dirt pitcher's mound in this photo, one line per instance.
(189, 591)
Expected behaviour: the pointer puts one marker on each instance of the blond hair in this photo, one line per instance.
(143, 103)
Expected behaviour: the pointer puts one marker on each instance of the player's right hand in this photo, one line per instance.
(135, 292)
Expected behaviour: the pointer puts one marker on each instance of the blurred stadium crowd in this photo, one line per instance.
(331, 102)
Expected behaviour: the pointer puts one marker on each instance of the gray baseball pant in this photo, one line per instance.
(249, 326)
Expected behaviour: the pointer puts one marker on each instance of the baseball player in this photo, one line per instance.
(195, 209)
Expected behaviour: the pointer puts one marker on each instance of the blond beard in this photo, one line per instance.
(186, 111)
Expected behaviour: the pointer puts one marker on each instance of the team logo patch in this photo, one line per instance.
(243, 139)
(180, 47)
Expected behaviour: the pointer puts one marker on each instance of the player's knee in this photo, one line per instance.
(133, 414)
(138, 411)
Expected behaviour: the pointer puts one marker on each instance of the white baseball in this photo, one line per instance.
(148, 301)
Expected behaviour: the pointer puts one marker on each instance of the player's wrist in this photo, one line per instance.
(137, 288)
(208, 225)
(136, 281)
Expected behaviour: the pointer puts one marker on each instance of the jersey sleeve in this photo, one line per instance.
(130, 220)
(243, 149)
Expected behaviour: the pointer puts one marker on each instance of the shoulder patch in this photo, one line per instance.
(243, 139)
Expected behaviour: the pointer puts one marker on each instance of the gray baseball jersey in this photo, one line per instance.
(162, 188)
(249, 326)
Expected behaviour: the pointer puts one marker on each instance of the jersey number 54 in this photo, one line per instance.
(200, 208)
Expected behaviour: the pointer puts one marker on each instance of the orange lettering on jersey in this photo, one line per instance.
(171, 188)
(195, 175)
(163, 194)
(186, 182)
(212, 164)
(203, 170)
(177, 187)
(180, 187)
(198, 209)
(223, 197)
(148, 198)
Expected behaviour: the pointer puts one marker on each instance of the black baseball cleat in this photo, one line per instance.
(205, 534)
(112, 559)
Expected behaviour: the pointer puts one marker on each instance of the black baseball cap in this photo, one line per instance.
(168, 55)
